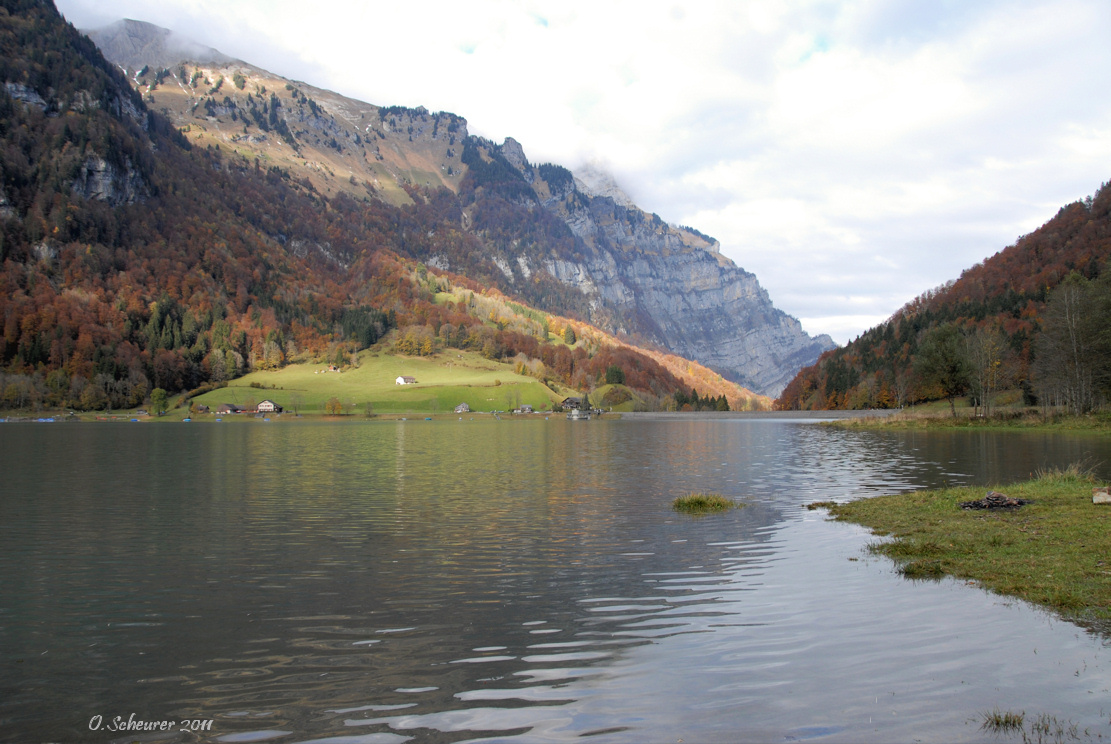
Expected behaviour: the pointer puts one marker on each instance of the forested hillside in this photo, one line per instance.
(1032, 317)
(132, 260)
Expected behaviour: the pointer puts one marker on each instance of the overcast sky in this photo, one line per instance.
(852, 154)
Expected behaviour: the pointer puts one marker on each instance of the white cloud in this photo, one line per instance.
(850, 154)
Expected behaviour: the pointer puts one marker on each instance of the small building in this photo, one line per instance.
(526, 408)
(269, 406)
(572, 403)
(228, 408)
(405, 380)
(462, 408)
(200, 408)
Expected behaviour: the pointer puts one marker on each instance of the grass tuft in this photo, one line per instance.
(702, 503)
(925, 569)
(1074, 472)
(1003, 723)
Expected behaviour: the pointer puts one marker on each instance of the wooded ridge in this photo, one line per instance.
(1032, 318)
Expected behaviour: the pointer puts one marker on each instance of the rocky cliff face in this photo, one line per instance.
(667, 285)
(101, 180)
(627, 270)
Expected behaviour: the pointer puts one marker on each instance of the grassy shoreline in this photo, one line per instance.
(1054, 552)
(1026, 419)
(180, 415)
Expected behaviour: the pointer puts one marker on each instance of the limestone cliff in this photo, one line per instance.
(663, 284)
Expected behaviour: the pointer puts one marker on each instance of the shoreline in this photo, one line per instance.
(174, 416)
(754, 415)
(1051, 551)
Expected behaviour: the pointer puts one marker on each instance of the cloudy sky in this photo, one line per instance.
(850, 154)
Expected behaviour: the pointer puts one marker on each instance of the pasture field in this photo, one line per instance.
(444, 380)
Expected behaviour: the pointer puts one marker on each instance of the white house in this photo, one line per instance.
(269, 406)
(405, 380)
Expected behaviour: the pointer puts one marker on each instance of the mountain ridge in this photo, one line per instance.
(134, 44)
(602, 259)
(212, 266)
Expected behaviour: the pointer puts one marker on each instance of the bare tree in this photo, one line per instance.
(1071, 352)
(988, 354)
(902, 387)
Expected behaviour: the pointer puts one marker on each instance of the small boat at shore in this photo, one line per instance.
(577, 415)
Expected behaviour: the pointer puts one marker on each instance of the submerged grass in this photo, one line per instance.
(702, 503)
(1004, 723)
(1054, 552)
(1042, 729)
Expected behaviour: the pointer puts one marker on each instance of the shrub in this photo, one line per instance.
(616, 396)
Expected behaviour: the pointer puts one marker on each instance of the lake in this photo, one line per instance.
(521, 581)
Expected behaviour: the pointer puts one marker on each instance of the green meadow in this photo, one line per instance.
(444, 380)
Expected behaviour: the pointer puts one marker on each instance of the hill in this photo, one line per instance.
(134, 258)
(566, 244)
(1003, 315)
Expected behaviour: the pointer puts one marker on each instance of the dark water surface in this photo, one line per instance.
(519, 580)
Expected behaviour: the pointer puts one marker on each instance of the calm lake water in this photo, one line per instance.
(520, 581)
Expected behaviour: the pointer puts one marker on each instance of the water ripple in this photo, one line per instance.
(527, 580)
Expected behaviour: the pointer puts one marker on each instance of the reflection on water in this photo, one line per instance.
(449, 581)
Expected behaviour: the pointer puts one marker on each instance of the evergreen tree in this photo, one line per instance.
(942, 363)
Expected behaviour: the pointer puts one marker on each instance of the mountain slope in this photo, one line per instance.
(570, 245)
(1005, 296)
(669, 286)
(131, 258)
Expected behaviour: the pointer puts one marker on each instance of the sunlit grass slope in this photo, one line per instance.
(444, 380)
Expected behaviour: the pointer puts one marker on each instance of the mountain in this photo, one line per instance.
(135, 256)
(1003, 307)
(134, 44)
(569, 243)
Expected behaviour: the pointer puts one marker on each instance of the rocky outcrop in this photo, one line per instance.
(6, 209)
(98, 179)
(593, 181)
(25, 95)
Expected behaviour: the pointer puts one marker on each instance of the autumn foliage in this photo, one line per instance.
(131, 261)
(1000, 302)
